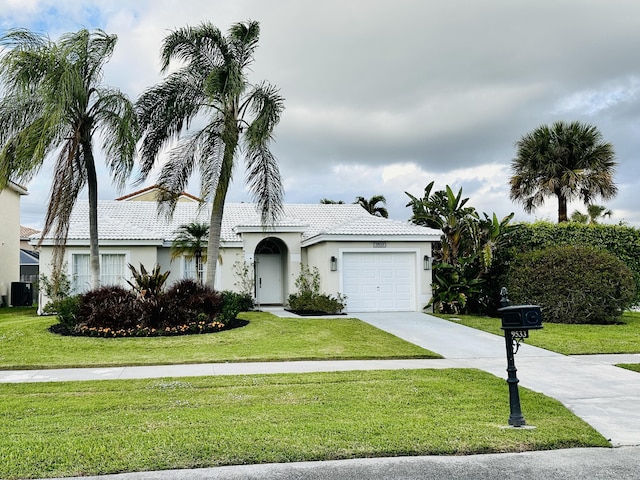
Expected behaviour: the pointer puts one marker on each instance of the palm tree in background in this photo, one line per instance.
(566, 160)
(371, 205)
(211, 83)
(594, 213)
(191, 243)
(328, 201)
(54, 104)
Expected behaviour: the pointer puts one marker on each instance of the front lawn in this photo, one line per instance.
(570, 339)
(26, 343)
(92, 428)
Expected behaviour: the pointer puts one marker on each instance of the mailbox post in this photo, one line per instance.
(517, 320)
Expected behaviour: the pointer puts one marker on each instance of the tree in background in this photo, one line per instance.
(54, 101)
(371, 205)
(191, 243)
(327, 201)
(593, 215)
(466, 251)
(210, 81)
(566, 160)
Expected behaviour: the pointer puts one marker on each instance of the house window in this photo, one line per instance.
(111, 271)
(189, 268)
(81, 278)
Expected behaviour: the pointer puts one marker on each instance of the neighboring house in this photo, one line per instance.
(379, 264)
(25, 234)
(10, 239)
(150, 194)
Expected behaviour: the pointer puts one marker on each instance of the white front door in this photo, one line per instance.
(268, 279)
(378, 282)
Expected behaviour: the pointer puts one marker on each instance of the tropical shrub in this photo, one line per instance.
(57, 289)
(148, 284)
(113, 311)
(234, 303)
(453, 288)
(308, 298)
(572, 284)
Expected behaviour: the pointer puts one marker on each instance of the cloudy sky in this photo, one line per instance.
(383, 97)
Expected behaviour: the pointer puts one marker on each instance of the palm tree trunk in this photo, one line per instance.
(562, 208)
(92, 184)
(213, 245)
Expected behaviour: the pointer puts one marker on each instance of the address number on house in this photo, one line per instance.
(379, 244)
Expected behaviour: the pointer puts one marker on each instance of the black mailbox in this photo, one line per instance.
(521, 317)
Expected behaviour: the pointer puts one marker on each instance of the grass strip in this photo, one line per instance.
(91, 428)
(630, 366)
(26, 343)
(570, 339)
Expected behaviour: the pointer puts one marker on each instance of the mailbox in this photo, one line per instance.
(521, 317)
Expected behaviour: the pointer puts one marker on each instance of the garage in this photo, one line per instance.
(379, 281)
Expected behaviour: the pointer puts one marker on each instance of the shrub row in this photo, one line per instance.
(621, 241)
(572, 284)
(186, 307)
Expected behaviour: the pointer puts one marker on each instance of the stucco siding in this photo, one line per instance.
(9, 240)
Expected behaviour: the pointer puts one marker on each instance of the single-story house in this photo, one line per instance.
(379, 264)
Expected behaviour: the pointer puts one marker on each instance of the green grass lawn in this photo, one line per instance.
(90, 428)
(630, 366)
(570, 339)
(26, 343)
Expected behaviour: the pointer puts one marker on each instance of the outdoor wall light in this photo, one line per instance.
(426, 262)
(334, 264)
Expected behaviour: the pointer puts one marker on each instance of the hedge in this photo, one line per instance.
(621, 241)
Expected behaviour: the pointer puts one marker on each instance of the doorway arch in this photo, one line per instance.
(269, 268)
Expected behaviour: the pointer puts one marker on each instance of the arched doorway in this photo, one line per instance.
(269, 269)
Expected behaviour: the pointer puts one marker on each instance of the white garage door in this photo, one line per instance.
(379, 282)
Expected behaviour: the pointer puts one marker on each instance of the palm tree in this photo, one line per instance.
(211, 82)
(191, 242)
(372, 207)
(566, 160)
(328, 201)
(594, 213)
(54, 102)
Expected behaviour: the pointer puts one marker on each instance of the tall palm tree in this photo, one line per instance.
(54, 103)
(372, 207)
(191, 242)
(211, 82)
(565, 160)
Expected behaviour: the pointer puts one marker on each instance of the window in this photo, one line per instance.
(81, 279)
(111, 270)
(189, 268)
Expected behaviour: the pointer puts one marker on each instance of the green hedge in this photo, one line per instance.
(621, 241)
(572, 284)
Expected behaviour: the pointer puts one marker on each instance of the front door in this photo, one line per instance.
(268, 279)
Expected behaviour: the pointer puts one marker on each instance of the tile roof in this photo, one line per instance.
(140, 221)
(26, 232)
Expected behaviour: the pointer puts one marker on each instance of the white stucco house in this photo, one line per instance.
(379, 264)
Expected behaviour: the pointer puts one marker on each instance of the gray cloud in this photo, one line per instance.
(383, 97)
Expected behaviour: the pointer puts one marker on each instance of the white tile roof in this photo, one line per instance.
(139, 221)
